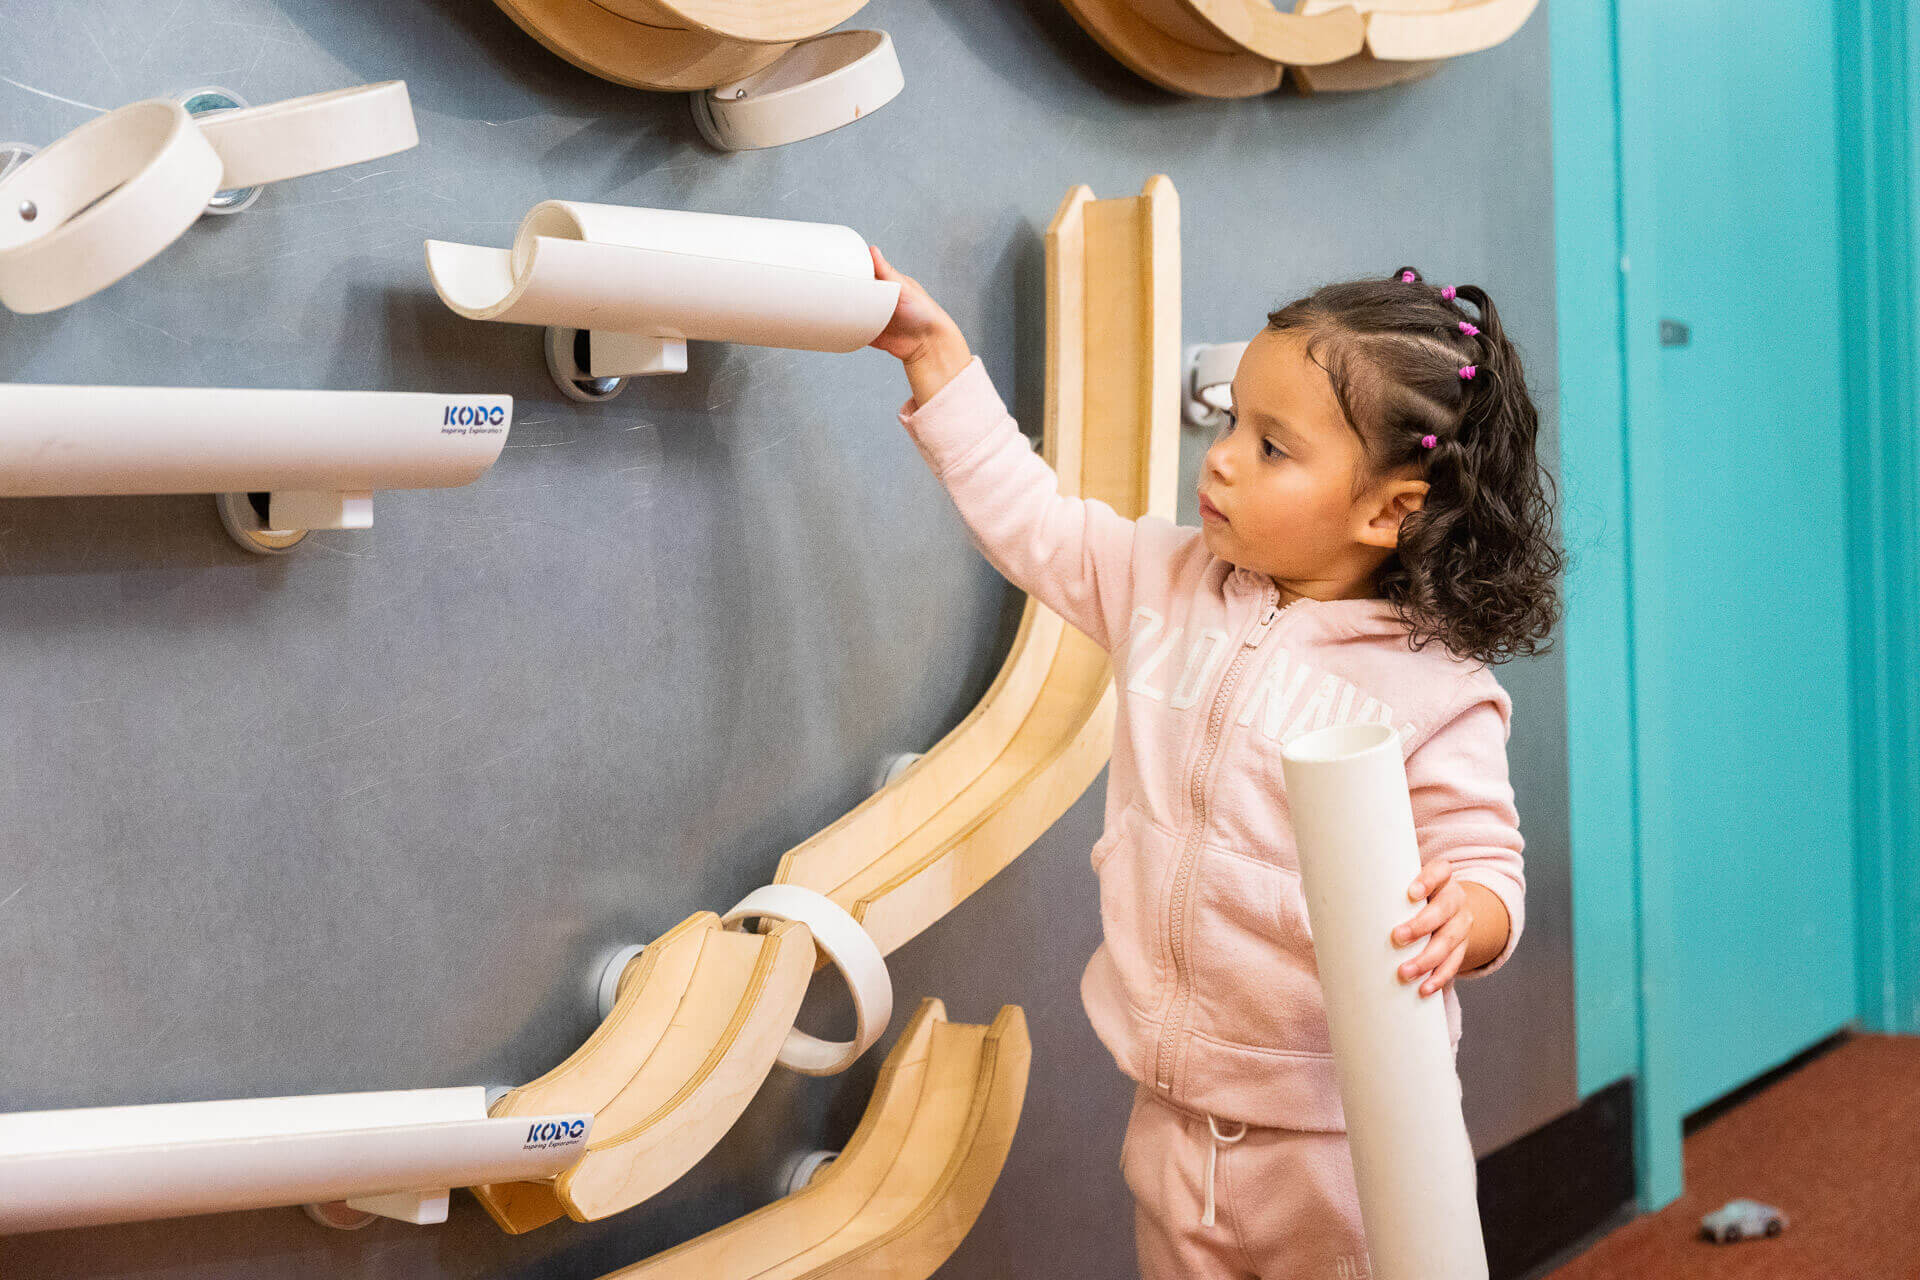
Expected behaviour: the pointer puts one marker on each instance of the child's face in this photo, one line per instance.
(1280, 480)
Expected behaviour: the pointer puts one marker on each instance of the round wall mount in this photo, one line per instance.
(610, 974)
(245, 518)
(567, 362)
(338, 1215)
(209, 100)
(819, 86)
(892, 767)
(800, 1169)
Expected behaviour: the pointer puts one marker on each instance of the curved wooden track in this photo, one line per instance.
(1464, 28)
(1153, 55)
(630, 53)
(911, 1181)
(1043, 731)
(700, 1015)
(755, 21)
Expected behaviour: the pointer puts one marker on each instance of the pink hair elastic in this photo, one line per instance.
(1407, 277)
(1447, 293)
(1427, 442)
(1469, 329)
(1467, 370)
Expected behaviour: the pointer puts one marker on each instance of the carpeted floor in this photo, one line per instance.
(1835, 1146)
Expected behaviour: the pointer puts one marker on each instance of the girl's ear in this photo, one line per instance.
(1380, 513)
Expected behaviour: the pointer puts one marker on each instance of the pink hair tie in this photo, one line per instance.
(1468, 329)
(1447, 293)
(1467, 370)
(1427, 442)
(1407, 277)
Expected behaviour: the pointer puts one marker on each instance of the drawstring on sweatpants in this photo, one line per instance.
(1213, 1157)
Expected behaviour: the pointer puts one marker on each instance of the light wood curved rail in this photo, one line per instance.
(1364, 71)
(626, 52)
(756, 21)
(1302, 40)
(700, 1015)
(911, 1181)
(1465, 28)
(1153, 55)
(1043, 731)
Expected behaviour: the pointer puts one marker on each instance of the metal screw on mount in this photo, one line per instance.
(211, 100)
(12, 156)
(567, 360)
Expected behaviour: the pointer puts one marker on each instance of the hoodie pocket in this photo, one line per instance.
(1255, 979)
(1133, 866)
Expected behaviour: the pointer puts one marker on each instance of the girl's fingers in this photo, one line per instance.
(1422, 923)
(1435, 874)
(1453, 934)
(1444, 974)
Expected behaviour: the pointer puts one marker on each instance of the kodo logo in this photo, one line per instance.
(471, 419)
(555, 1132)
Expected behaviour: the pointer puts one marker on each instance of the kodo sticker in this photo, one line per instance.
(551, 1134)
(473, 420)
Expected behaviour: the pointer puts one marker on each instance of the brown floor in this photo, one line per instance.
(1835, 1146)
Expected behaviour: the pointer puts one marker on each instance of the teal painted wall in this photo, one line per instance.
(1608, 272)
(1593, 509)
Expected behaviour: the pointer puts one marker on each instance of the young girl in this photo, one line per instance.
(1375, 492)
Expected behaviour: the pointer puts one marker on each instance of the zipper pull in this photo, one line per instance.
(1260, 629)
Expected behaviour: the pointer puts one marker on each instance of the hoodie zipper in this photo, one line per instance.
(1190, 851)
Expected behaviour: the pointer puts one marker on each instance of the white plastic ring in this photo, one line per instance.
(101, 202)
(321, 131)
(852, 951)
(816, 87)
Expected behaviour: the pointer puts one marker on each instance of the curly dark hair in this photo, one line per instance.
(1478, 565)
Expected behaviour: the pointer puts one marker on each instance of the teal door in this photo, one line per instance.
(1738, 529)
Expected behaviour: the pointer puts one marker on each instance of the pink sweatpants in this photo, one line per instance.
(1285, 1206)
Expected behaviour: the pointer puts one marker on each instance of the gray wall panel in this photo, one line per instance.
(363, 818)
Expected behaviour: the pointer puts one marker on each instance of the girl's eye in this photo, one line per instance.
(1272, 450)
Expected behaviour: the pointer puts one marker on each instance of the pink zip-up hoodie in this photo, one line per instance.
(1205, 987)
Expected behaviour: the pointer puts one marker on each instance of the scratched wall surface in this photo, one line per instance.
(362, 818)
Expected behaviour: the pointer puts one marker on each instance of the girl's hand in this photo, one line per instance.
(920, 335)
(1448, 916)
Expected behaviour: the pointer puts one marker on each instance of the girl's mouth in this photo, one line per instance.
(1208, 511)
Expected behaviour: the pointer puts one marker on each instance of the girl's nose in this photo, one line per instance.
(1214, 464)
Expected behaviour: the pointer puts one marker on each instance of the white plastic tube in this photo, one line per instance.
(1412, 1158)
(667, 273)
(89, 1167)
(69, 441)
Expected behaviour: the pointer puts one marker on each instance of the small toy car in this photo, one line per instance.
(1742, 1220)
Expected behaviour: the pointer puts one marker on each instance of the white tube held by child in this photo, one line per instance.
(1412, 1160)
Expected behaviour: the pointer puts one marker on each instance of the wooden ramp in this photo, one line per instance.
(700, 1014)
(915, 1175)
(1043, 731)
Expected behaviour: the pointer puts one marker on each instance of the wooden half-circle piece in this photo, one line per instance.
(1153, 55)
(1464, 28)
(630, 53)
(755, 21)
(910, 1183)
(1295, 39)
(1044, 729)
(1362, 71)
(698, 1020)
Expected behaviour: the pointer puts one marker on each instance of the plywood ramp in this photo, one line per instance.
(700, 1015)
(909, 1184)
(1043, 731)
